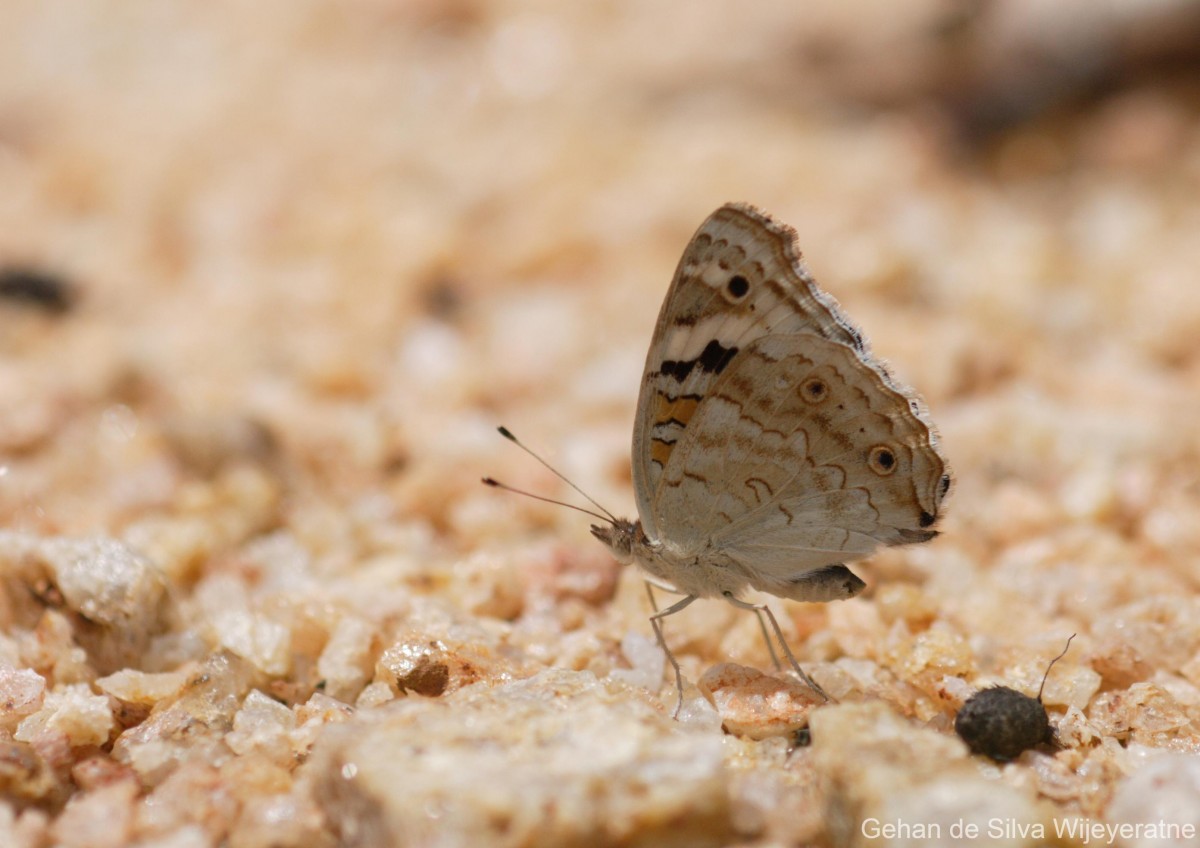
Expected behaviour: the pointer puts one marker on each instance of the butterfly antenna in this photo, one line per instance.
(506, 433)
(494, 483)
(1052, 662)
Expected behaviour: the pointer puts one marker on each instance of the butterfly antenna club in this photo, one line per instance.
(506, 433)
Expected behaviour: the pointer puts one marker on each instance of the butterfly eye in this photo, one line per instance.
(814, 390)
(737, 287)
(882, 460)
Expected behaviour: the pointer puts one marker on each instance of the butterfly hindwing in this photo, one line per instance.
(800, 459)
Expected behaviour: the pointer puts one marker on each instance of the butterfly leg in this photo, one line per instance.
(763, 609)
(650, 595)
(656, 623)
(762, 625)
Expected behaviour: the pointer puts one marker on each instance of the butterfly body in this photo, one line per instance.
(701, 574)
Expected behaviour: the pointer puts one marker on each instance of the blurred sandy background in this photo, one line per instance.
(310, 254)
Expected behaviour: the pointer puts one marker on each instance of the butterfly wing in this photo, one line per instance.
(801, 457)
(739, 279)
(765, 429)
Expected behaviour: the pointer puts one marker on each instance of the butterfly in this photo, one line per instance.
(769, 446)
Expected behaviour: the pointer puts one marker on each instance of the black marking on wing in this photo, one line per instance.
(908, 536)
(690, 396)
(712, 360)
(682, 425)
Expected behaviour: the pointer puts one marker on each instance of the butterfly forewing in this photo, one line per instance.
(740, 278)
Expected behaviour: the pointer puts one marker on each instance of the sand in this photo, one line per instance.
(293, 264)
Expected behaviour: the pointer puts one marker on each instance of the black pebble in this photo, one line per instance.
(39, 289)
(1001, 723)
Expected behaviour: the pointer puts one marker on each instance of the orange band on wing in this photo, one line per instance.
(660, 452)
(679, 410)
(670, 418)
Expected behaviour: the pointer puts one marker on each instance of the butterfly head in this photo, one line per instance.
(620, 537)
